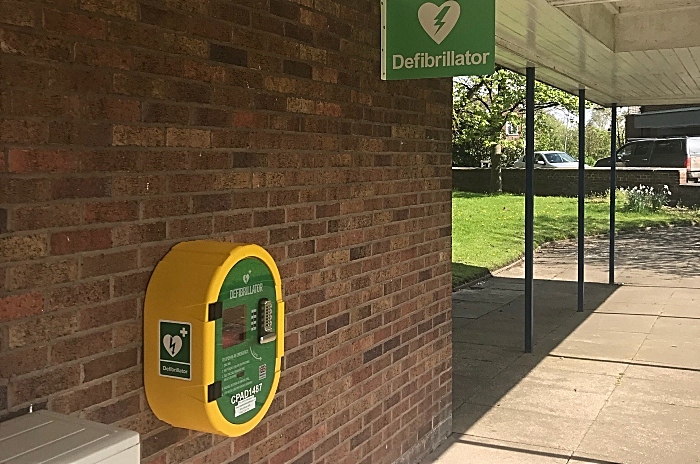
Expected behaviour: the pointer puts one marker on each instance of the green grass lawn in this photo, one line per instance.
(488, 231)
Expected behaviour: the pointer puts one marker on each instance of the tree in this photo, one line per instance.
(481, 107)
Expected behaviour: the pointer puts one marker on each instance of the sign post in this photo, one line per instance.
(422, 39)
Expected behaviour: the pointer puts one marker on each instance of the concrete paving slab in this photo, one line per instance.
(472, 310)
(609, 345)
(596, 323)
(541, 397)
(468, 449)
(664, 391)
(681, 309)
(687, 294)
(666, 352)
(644, 433)
(527, 427)
(647, 295)
(584, 366)
(674, 328)
(629, 308)
(489, 295)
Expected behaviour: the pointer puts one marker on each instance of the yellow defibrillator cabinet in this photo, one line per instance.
(213, 336)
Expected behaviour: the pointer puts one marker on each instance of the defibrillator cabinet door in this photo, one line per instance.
(245, 348)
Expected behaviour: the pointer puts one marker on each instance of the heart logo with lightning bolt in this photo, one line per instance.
(438, 21)
(172, 345)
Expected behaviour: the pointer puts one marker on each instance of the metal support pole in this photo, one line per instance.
(613, 188)
(581, 190)
(529, 206)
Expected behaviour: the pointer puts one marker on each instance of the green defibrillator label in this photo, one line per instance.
(175, 350)
(438, 38)
(245, 362)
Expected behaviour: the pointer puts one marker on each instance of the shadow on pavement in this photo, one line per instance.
(616, 383)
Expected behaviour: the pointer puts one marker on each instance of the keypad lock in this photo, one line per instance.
(266, 332)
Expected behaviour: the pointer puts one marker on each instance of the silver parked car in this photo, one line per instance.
(550, 160)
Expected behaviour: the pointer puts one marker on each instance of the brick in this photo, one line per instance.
(137, 185)
(74, 133)
(104, 161)
(23, 361)
(230, 12)
(129, 382)
(112, 211)
(122, 8)
(285, 234)
(229, 55)
(188, 138)
(190, 227)
(131, 284)
(116, 411)
(249, 119)
(81, 399)
(165, 19)
(34, 161)
(24, 132)
(104, 55)
(36, 46)
(75, 24)
(128, 334)
(228, 223)
(82, 294)
(165, 160)
(211, 117)
(110, 108)
(188, 92)
(139, 233)
(3, 220)
(14, 191)
(14, 307)
(41, 217)
(138, 136)
(41, 329)
(166, 207)
(108, 263)
(104, 315)
(205, 72)
(80, 240)
(219, 455)
(109, 364)
(211, 203)
(298, 69)
(44, 384)
(40, 274)
(268, 218)
(165, 113)
(77, 187)
(151, 255)
(161, 440)
(190, 448)
(23, 247)
(81, 346)
(19, 14)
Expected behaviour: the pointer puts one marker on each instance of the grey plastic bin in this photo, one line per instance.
(52, 438)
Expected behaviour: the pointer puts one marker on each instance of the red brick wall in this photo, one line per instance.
(127, 126)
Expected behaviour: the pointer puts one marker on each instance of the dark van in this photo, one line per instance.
(682, 152)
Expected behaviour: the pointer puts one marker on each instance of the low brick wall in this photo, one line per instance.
(564, 182)
(689, 194)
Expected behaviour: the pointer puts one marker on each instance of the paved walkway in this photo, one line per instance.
(618, 383)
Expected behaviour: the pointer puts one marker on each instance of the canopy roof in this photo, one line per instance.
(629, 52)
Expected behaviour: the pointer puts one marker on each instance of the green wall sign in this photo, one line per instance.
(438, 39)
